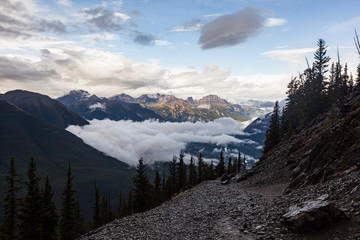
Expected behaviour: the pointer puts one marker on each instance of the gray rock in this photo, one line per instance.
(313, 214)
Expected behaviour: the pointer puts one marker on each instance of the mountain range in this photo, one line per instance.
(33, 124)
(155, 106)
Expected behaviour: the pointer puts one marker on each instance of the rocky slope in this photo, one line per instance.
(312, 178)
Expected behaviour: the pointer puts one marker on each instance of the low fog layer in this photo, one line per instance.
(153, 140)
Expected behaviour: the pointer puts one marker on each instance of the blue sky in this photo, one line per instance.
(237, 49)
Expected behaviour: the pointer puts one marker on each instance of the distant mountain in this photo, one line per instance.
(23, 135)
(208, 108)
(43, 107)
(92, 107)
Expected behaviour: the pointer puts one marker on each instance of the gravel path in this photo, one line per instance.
(237, 211)
(209, 211)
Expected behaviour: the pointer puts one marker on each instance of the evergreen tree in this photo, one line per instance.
(239, 166)
(121, 206)
(31, 210)
(96, 219)
(50, 216)
(235, 165)
(273, 133)
(200, 169)
(68, 221)
(130, 204)
(192, 173)
(104, 210)
(157, 193)
(230, 166)
(11, 204)
(212, 171)
(220, 167)
(80, 225)
(142, 197)
(181, 173)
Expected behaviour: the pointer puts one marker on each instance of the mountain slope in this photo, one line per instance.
(23, 136)
(92, 107)
(43, 107)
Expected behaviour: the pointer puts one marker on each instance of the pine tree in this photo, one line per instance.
(96, 219)
(68, 219)
(220, 167)
(104, 210)
(130, 204)
(200, 169)
(50, 216)
(121, 206)
(212, 171)
(192, 173)
(31, 211)
(230, 166)
(80, 225)
(273, 132)
(11, 204)
(235, 165)
(181, 173)
(239, 166)
(157, 193)
(142, 196)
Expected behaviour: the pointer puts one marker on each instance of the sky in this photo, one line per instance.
(237, 49)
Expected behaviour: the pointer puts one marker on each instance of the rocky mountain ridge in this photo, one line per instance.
(167, 107)
(307, 187)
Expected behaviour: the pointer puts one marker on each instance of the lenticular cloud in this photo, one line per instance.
(153, 140)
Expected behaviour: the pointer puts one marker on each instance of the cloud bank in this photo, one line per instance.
(229, 30)
(152, 140)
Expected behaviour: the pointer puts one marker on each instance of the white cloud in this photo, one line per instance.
(155, 141)
(162, 43)
(97, 106)
(195, 27)
(65, 3)
(273, 22)
(290, 55)
(344, 26)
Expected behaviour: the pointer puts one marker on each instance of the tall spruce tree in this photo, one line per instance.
(143, 189)
(8, 229)
(200, 169)
(31, 210)
(192, 172)
(229, 169)
(68, 221)
(181, 173)
(220, 167)
(50, 216)
(96, 218)
(273, 132)
(157, 193)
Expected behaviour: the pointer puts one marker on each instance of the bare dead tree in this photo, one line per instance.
(357, 42)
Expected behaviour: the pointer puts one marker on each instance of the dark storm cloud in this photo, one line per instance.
(144, 39)
(232, 29)
(104, 19)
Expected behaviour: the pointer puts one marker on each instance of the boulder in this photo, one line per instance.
(312, 215)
